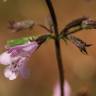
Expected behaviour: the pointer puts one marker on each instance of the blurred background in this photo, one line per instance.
(80, 70)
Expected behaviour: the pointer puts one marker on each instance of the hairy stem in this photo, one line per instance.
(57, 45)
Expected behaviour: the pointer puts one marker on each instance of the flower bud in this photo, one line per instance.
(67, 89)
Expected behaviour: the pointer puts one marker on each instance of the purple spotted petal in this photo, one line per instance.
(17, 59)
(23, 49)
(23, 70)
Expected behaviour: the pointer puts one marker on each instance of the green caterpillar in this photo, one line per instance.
(20, 41)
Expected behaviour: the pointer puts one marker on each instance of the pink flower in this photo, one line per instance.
(16, 59)
(67, 89)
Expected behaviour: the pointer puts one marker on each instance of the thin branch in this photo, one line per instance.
(53, 16)
(44, 27)
(57, 45)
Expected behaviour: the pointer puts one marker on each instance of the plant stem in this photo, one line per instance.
(44, 27)
(57, 46)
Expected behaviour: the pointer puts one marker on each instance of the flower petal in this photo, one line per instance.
(22, 70)
(8, 73)
(5, 58)
(28, 48)
(32, 46)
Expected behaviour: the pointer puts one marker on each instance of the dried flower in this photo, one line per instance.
(89, 24)
(21, 25)
(78, 24)
(74, 26)
(75, 23)
(67, 89)
(79, 43)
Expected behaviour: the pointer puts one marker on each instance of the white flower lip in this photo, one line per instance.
(9, 74)
(5, 58)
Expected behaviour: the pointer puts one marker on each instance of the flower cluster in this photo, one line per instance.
(16, 57)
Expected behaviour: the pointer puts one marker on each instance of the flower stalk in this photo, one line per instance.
(57, 45)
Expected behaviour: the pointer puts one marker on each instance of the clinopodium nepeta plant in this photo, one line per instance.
(18, 51)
